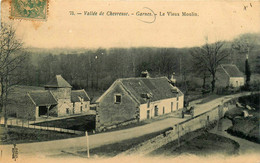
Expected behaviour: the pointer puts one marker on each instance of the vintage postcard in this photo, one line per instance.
(132, 81)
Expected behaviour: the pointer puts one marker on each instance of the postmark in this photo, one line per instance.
(29, 9)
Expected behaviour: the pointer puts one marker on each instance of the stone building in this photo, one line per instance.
(56, 99)
(137, 99)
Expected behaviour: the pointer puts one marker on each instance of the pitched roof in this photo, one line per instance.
(58, 82)
(42, 98)
(232, 70)
(153, 88)
(75, 94)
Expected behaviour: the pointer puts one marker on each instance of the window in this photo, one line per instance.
(171, 106)
(81, 109)
(86, 105)
(67, 111)
(148, 114)
(177, 98)
(163, 110)
(118, 98)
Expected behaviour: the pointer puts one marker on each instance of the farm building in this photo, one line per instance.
(137, 99)
(228, 75)
(56, 99)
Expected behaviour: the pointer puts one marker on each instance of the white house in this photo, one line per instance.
(229, 75)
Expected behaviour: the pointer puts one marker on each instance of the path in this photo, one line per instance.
(246, 147)
(56, 146)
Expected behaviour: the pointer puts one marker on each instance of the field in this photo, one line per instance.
(80, 123)
(27, 135)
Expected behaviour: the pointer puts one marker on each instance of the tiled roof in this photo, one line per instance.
(232, 70)
(42, 98)
(58, 82)
(75, 94)
(156, 88)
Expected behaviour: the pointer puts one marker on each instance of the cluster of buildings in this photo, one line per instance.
(127, 100)
(56, 99)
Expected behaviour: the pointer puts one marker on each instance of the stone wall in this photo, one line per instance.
(180, 129)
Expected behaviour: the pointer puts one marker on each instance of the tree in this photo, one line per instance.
(244, 45)
(258, 64)
(11, 57)
(209, 57)
(247, 72)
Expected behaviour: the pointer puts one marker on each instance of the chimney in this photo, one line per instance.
(145, 74)
(173, 81)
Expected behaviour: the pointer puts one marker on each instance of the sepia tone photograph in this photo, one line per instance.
(133, 81)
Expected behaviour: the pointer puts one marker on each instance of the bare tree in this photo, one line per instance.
(209, 57)
(10, 59)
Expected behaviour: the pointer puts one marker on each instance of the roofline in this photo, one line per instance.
(130, 94)
(31, 98)
(141, 78)
(53, 96)
(47, 104)
(224, 70)
(235, 68)
(86, 93)
(53, 86)
(119, 81)
(42, 105)
(107, 91)
(83, 91)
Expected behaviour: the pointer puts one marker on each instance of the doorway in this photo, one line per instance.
(155, 110)
(42, 110)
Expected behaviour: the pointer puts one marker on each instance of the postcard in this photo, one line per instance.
(132, 81)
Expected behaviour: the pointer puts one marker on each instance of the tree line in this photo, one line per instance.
(97, 69)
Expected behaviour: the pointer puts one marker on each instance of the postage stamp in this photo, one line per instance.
(29, 9)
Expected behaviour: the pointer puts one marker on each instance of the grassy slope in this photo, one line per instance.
(204, 144)
(27, 135)
(114, 149)
(81, 123)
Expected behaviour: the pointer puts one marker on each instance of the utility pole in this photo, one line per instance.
(179, 144)
(86, 133)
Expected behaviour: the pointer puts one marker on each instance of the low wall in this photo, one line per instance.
(182, 128)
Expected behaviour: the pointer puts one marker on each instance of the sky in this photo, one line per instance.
(217, 20)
